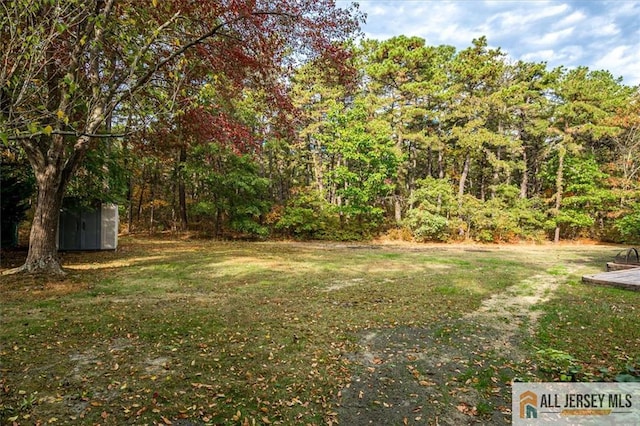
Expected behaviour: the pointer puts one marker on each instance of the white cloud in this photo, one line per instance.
(378, 11)
(624, 60)
(545, 12)
(566, 56)
(547, 55)
(571, 20)
(619, 8)
(571, 55)
(554, 37)
(523, 16)
(618, 54)
(600, 27)
(595, 33)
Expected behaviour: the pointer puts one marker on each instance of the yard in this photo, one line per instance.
(195, 332)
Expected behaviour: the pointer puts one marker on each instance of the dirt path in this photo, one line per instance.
(451, 373)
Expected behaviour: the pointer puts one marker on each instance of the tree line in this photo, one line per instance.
(255, 121)
(420, 142)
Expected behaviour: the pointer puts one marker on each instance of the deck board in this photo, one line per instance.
(628, 278)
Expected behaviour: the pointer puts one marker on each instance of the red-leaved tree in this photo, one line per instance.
(69, 66)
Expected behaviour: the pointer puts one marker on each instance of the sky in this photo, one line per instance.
(602, 35)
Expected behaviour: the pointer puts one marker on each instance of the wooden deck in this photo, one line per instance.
(629, 279)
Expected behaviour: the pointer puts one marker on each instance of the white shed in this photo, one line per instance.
(88, 228)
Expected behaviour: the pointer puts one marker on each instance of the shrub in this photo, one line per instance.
(305, 216)
(427, 226)
(629, 226)
(434, 202)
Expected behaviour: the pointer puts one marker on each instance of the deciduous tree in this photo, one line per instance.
(68, 66)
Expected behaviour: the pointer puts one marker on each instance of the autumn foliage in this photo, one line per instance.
(71, 69)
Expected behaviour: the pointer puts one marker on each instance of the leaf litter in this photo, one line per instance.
(453, 372)
(239, 351)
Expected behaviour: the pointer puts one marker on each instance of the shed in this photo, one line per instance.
(88, 228)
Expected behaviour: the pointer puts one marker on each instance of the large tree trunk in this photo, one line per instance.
(52, 172)
(43, 250)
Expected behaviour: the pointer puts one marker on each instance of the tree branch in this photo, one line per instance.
(140, 82)
(26, 136)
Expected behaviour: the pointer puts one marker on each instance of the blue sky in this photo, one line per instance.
(597, 34)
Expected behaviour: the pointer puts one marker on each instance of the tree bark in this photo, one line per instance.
(401, 180)
(43, 250)
(182, 193)
(524, 183)
(397, 208)
(129, 191)
(496, 174)
(52, 173)
(463, 177)
(318, 171)
(559, 189)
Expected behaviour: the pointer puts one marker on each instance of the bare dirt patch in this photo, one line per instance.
(450, 373)
(339, 285)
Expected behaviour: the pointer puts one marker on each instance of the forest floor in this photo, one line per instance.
(195, 332)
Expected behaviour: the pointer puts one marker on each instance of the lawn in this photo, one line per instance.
(194, 332)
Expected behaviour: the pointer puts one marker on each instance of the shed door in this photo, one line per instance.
(69, 231)
(90, 230)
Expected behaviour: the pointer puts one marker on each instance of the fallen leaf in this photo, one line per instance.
(202, 385)
(467, 409)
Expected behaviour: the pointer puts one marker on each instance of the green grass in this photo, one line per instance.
(222, 332)
(597, 327)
